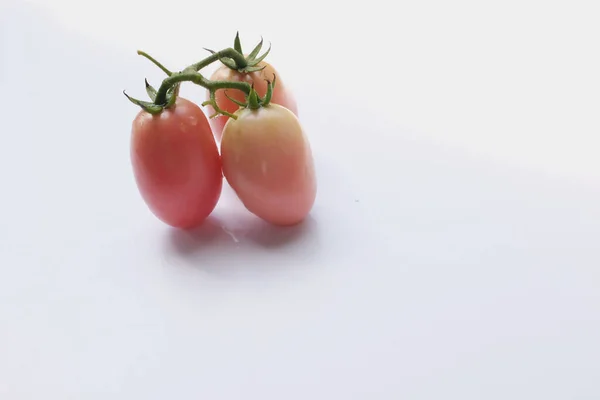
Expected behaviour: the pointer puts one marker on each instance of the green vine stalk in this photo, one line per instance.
(233, 58)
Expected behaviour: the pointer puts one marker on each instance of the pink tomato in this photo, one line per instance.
(176, 163)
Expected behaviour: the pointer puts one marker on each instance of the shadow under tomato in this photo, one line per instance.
(190, 241)
(269, 236)
(243, 245)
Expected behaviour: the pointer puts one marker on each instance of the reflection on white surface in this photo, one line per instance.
(424, 271)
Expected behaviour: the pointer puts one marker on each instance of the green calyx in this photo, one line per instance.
(251, 61)
(152, 107)
(253, 100)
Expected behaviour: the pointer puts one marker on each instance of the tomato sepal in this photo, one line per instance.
(253, 100)
(172, 94)
(145, 105)
(253, 69)
(236, 43)
(251, 61)
(256, 49)
(150, 90)
(254, 61)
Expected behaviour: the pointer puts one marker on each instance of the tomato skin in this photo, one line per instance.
(176, 164)
(268, 162)
(281, 95)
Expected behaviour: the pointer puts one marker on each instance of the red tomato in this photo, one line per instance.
(268, 162)
(281, 95)
(176, 164)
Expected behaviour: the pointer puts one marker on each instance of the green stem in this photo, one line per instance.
(229, 52)
(159, 65)
(188, 75)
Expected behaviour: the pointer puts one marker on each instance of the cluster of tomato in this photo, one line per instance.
(264, 153)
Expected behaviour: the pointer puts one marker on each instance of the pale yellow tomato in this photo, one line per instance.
(268, 162)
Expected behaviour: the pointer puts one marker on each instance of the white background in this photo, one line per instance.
(452, 253)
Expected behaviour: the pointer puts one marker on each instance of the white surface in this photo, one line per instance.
(456, 257)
